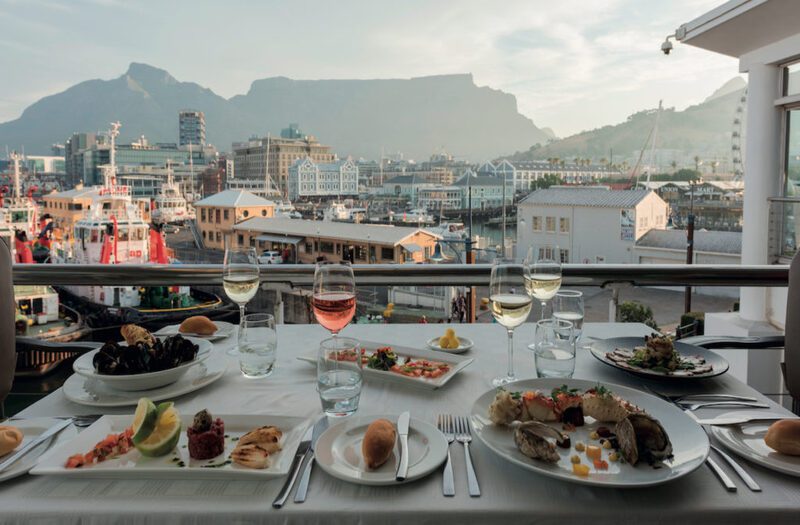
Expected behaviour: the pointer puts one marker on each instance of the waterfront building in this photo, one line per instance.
(219, 213)
(66, 207)
(439, 198)
(589, 224)
(191, 128)
(271, 158)
(404, 186)
(716, 205)
(74, 147)
(487, 191)
(310, 179)
(309, 241)
(292, 132)
(44, 164)
(526, 173)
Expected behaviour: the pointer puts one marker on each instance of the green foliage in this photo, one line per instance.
(680, 175)
(549, 179)
(691, 317)
(635, 312)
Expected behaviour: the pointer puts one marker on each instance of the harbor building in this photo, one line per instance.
(191, 128)
(310, 179)
(219, 213)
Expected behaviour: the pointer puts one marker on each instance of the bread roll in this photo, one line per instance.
(378, 443)
(10, 438)
(784, 437)
(199, 324)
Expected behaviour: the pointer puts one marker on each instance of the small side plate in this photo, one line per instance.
(224, 329)
(747, 440)
(464, 344)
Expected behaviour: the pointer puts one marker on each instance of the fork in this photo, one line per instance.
(719, 404)
(730, 397)
(445, 425)
(464, 435)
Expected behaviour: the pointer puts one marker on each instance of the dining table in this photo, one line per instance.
(509, 494)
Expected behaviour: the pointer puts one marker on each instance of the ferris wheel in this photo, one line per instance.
(737, 138)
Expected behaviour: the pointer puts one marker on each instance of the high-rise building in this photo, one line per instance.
(271, 158)
(192, 128)
(74, 148)
(292, 132)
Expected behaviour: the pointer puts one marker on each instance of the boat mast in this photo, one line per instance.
(110, 174)
(653, 147)
(17, 192)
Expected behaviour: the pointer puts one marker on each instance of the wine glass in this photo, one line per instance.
(240, 278)
(568, 305)
(510, 305)
(334, 298)
(543, 273)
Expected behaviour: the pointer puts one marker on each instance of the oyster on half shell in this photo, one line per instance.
(534, 440)
(642, 438)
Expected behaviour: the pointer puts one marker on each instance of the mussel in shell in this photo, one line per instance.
(141, 358)
(642, 438)
(533, 439)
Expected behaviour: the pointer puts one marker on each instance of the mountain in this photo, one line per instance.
(731, 86)
(356, 117)
(704, 129)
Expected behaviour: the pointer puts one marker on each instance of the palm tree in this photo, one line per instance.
(674, 166)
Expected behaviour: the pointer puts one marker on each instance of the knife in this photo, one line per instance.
(47, 434)
(735, 420)
(319, 427)
(402, 431)
(302, 448)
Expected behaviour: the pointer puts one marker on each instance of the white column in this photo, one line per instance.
(761, 177)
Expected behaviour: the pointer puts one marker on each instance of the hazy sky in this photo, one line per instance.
(572, 64)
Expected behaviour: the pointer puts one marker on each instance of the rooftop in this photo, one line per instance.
(479, 180)
(594, 196)
(704, 241)
(75, 193)
(234, 198)
(378, 234)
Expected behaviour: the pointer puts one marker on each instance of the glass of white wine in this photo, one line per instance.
(510, 305)
(543, 278)
(240, 278)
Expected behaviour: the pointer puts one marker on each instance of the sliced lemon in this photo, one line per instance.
(144, 420)
(165, 436)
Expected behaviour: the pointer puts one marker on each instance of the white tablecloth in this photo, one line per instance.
(510, 494)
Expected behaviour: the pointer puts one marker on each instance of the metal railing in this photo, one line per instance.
(406, 274)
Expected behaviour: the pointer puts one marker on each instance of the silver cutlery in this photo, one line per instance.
(47, 434)
(294, 470)
(464, 435)
(730, 397)
(721, 404)
(445, 426)
(727, 482)
(302, 488)
(737, 420)
(82, 421)
(402, 432)
(741, 472)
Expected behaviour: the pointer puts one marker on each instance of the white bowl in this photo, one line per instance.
(84, 366)
(464, 344)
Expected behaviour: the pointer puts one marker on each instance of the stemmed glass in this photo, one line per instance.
(240, 278)
(543, 273)
(334, 299)
(510, 305)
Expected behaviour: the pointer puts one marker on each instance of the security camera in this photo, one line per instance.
(666, 47)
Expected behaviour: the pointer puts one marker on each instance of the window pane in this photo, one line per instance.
(792, 84)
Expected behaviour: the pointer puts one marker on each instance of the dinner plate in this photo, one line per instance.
(147, 381)
(176, 464)
(457, 364)
(689, 442)
(600, 347)
(224, 329)
(338, 452)
(747, 440)
(92, 392)
(464, 344)
(31, 429)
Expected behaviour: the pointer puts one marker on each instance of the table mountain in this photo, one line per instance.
(357, 117)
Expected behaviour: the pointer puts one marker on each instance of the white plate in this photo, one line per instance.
(133, 465)
(464, 344)
(137, 382)
(338, 452)
(747, 440)
(31, 429)
(689, 442)
(456, 362)
(224, 329)
(91, 392)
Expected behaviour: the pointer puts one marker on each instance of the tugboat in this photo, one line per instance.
(169, 206)
(113, 231)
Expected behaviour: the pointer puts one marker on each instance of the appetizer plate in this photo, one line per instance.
(338, 452)
(600, 347)
(137, 382)
(92, 392)
(456, 362)
(747, 440)
(464, 344)
(224, 329)
(33, 428)
(689, 442)
(177, 464)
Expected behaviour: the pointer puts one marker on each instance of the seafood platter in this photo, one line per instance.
(589, 433)
(659, 356)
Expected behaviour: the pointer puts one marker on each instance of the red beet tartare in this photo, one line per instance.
(206, 436)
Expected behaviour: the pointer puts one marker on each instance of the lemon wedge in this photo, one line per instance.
(165, 436)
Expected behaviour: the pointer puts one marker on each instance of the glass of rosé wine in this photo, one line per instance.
(334, 299)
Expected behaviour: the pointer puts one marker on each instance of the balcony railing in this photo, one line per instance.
(406, 274)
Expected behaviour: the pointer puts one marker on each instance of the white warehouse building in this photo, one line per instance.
(589, 224)
(309, 179)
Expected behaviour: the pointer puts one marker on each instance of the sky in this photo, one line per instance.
(572, 64)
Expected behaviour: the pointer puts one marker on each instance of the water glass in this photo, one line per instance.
(568, 305)
(258, 344)
(554, 348)
(339, 378)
